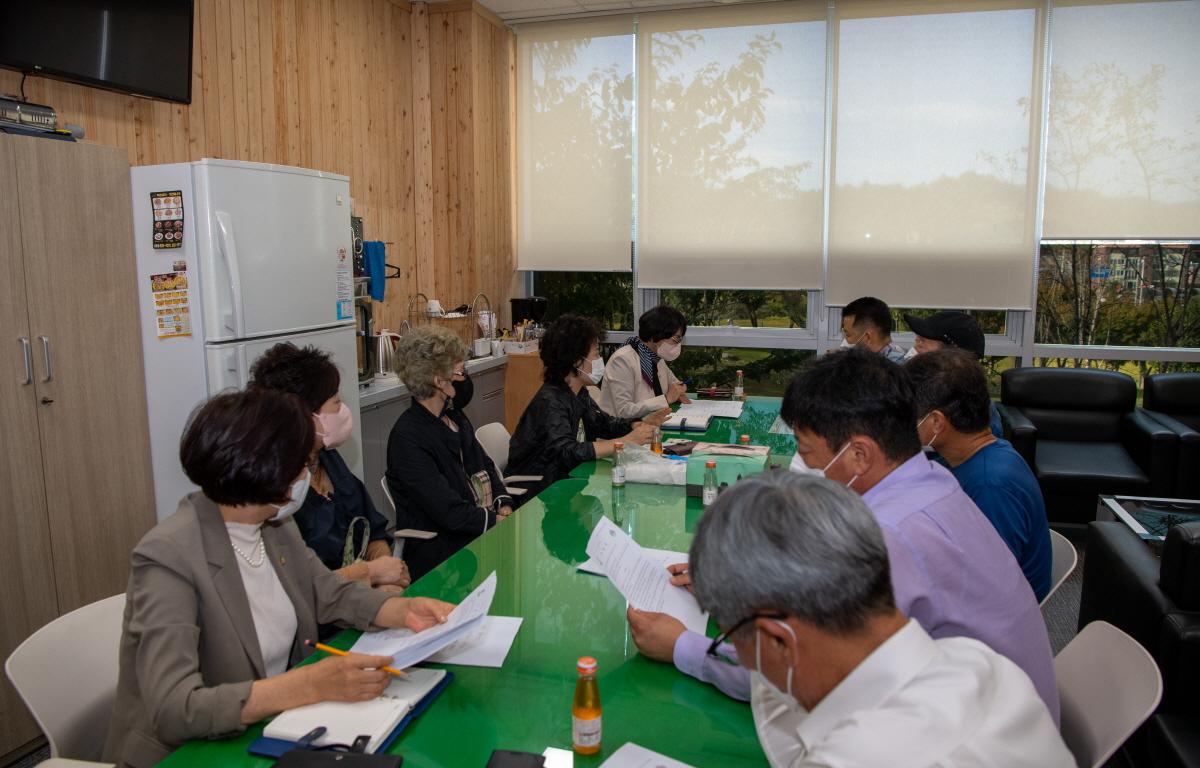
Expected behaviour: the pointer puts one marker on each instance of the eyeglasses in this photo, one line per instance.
(714, 649)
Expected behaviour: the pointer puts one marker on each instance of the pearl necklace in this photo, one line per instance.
(259, 548)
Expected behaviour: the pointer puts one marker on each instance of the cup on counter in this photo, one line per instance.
(497, 347)
(481, 347)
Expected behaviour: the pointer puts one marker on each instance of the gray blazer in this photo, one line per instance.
(189, 650)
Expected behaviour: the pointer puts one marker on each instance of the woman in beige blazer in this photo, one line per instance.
(223, 593)
(637, 381)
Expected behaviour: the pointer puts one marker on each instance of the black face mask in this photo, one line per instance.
(463, 392)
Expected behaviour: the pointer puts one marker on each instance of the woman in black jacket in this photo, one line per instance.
(439, 475)
(563, 427)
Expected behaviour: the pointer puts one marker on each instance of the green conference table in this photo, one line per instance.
(526, 704)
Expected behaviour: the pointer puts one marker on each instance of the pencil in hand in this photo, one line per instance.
(337, 652)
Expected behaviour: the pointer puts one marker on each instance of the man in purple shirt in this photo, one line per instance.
(854, 420)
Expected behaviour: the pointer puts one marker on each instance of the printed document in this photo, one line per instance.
(640, 578)
(407, 647)
(487, 646)
(633, 756)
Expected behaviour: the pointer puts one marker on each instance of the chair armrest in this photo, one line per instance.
(1179, 662)
(413, 533)
(1120, 584)
(522, 479)
(1155, 449)
(1020, 431)
(1181, 430)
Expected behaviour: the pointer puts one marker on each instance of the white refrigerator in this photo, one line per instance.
(233, 258)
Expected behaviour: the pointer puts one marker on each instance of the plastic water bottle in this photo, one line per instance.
(585, 709)
(618, 467)
(739, 387)
(710, 482)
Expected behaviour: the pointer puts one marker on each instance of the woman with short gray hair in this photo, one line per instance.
(439, 476)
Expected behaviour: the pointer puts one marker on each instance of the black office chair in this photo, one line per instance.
(1173, 400)
(1082, 436)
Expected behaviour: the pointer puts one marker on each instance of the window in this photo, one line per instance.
(749, 309)
(1119, 293)
(766, 371)
(606, 296)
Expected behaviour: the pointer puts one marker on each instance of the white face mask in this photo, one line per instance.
(911, 353)
(297, 495)
(800, 467)
(846, 344)
(669, 350)
(597, 372)
(927, 447)
(777, 715)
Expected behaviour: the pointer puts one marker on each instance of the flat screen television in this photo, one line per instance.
(143, 47)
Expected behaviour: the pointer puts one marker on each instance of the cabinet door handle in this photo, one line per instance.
(27, 353)
(46, 353)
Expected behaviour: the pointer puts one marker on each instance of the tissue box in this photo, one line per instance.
(730, 469)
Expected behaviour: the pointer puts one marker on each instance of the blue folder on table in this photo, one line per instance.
(265, 746)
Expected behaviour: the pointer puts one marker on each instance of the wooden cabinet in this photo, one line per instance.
(76, 460)
(522, 381)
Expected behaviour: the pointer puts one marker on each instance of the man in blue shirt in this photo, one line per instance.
(952, 404)
(955, 330)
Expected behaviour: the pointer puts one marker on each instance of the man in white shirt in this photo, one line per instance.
(796, 570)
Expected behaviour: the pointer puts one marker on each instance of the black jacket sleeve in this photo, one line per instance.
(561, 432)
(602, 426)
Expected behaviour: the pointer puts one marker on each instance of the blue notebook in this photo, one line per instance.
(265, 746)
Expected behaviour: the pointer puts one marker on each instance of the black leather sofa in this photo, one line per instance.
(1173, 400)
(1158, 604)
(1082, 435)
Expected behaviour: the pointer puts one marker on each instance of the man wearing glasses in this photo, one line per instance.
(796, 570)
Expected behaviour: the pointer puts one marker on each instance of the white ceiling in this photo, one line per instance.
(524, 10)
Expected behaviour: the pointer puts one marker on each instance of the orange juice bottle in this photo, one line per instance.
(585, 711)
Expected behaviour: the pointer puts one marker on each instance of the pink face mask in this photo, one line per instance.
(669, 350)
(335, 428)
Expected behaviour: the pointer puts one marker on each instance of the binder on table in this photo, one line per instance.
(384, 719)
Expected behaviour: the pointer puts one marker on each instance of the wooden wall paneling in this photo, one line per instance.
(27, 591)
(423, 218)
(76, 199)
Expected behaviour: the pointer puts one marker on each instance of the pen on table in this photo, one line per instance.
(337, 652)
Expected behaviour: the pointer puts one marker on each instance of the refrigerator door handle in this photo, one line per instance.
(236, 322)
(27, 353)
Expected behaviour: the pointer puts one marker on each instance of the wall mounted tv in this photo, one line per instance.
(143, 47)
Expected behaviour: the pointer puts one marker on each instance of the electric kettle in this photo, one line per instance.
(385, 357)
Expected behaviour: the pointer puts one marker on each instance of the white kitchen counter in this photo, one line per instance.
(378, 394)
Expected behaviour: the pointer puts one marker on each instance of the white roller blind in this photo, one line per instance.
(575, 145)
(1123, 150)
(933, 200)
(730, 146)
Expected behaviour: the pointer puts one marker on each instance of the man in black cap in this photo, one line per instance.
(946, 329)
(951, 329)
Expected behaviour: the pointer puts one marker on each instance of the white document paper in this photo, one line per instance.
(407, 647)
(632, 756)
(718, 409)
(664, 556)
(641, 579)
(487, 646)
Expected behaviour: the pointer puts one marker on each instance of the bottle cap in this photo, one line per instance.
(618, 445)
(586, 665)
(739, 372)
(744, 439)
(711, 464)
